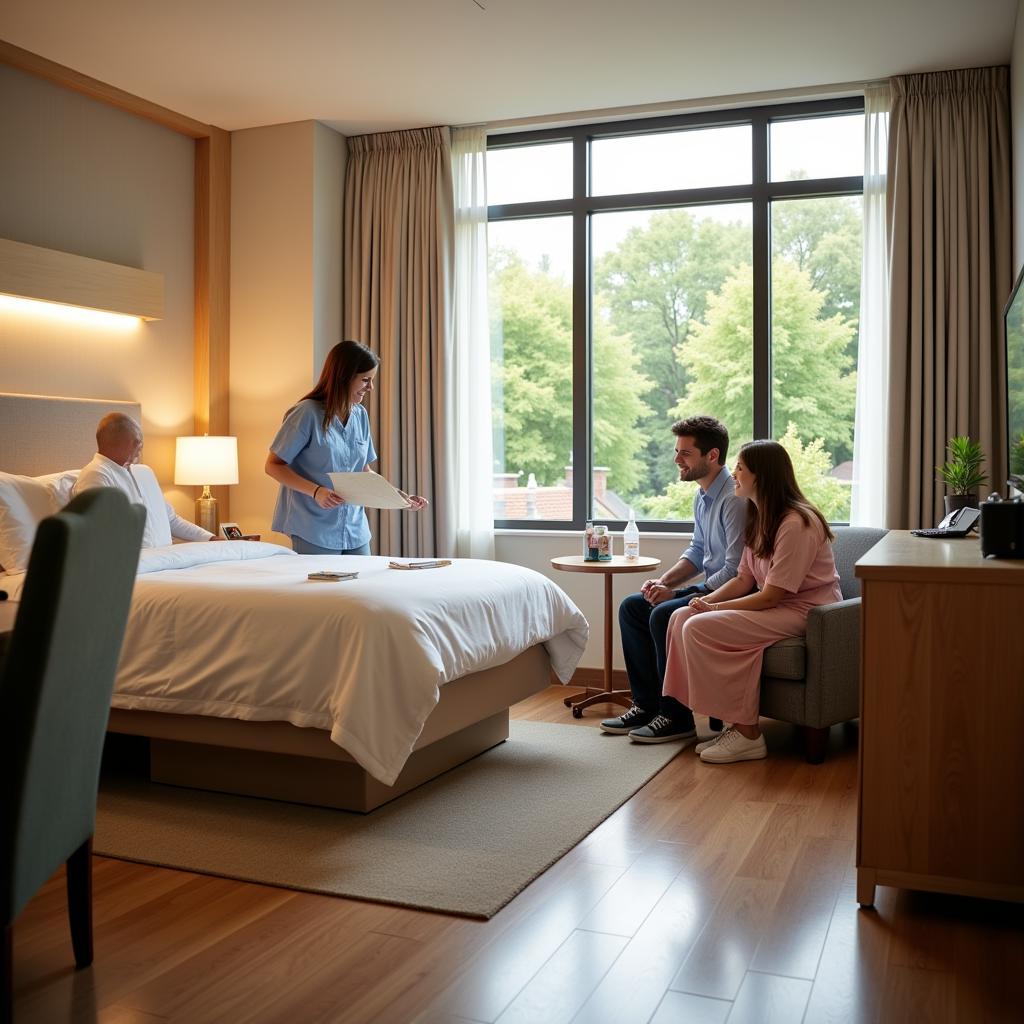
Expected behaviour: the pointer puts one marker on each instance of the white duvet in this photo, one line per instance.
(235, 629)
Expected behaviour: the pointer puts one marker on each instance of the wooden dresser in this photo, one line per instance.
(941, 802)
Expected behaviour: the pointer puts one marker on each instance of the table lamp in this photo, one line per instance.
(202, 462)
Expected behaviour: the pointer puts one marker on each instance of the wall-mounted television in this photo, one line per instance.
(1013, 318)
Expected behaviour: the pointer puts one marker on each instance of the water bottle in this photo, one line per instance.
(631, 539)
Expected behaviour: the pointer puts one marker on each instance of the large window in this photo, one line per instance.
(645, 271)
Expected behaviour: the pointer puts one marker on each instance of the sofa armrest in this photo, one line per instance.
(833, 663)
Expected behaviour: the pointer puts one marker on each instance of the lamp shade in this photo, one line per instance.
(206, 460)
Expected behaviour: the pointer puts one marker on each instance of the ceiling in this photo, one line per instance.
(391, 64)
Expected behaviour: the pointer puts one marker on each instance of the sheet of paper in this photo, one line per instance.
(433, 563)
(368, 489)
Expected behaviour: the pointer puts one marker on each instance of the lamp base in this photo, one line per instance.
(206, 512)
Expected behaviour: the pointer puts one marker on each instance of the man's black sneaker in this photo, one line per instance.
(632, 719)
(663, 730)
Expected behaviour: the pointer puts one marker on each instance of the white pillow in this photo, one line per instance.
(24, 502)
(60, 484)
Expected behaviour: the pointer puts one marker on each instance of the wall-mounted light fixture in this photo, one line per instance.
(202, 461)
(31, 272)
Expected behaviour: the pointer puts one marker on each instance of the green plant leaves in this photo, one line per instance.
(962, 473)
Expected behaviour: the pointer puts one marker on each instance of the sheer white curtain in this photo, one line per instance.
(871, 423)
(470, 366)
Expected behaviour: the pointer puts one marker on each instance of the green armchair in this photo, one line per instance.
(55, 688)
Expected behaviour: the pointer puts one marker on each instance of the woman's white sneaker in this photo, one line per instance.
(705, 744)
(732, 746)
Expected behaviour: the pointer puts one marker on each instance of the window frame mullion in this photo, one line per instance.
(582, 355)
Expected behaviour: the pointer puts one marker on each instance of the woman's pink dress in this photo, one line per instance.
(714, 658)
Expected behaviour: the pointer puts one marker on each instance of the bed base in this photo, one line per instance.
(280, 761)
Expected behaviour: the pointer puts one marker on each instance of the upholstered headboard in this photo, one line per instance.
(40, 434)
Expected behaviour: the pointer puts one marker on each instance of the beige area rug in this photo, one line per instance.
(464, 843)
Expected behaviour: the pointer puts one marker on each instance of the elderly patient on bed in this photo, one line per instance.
(116, 464)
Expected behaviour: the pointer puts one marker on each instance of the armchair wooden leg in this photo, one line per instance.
(815, 744)
(7, 997)
(79, 874)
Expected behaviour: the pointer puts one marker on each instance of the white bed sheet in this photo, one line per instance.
(252, 638)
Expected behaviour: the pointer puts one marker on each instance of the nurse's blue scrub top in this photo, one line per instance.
(313, 452)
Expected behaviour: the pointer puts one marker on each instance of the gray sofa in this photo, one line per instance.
(814, 682)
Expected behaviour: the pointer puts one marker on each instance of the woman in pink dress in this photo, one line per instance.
(716, 645)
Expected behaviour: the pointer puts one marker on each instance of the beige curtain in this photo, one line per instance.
(949, 231)
(398, 267)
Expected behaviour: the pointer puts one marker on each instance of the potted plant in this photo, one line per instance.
(962, 473)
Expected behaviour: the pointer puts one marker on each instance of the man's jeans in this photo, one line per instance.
(644, 630)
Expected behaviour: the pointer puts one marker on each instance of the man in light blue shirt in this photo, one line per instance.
(719, 520)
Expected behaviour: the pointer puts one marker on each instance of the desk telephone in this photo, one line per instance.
(956, 524)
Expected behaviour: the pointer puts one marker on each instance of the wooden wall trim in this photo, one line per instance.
(212, 232)
(212, 289)
(212, 280)
(50, 275)
(16, 57)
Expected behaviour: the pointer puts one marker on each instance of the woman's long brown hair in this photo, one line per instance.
(777, 493)
(343, 364)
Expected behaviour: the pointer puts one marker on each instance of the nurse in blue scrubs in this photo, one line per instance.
(327, 431)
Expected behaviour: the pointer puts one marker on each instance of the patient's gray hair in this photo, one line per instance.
(115, 426)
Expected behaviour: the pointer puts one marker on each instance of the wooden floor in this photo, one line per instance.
(716, 893)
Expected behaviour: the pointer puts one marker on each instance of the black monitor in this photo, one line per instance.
(1013, 318)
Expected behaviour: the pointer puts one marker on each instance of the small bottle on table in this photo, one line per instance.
(631, 539)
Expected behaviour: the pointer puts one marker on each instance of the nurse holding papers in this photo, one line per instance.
(327, 433)
(369, 489)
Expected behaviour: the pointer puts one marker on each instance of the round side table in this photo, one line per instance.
(618, 564)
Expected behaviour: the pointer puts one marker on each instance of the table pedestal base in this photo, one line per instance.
(590, 696)
(617, 564)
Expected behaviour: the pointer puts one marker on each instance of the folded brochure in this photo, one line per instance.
(433, 563)
(368, 489)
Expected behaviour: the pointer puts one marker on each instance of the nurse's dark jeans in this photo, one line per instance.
(303, 547)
